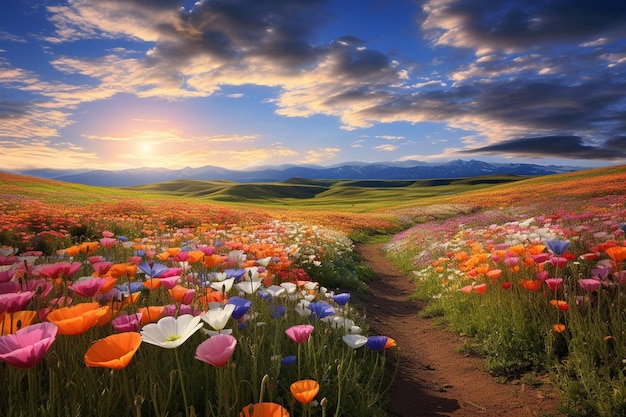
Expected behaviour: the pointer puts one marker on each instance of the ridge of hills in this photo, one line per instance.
(351, 171)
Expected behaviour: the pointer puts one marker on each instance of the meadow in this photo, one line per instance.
(217, 298)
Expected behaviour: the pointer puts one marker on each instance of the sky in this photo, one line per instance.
(117, 84)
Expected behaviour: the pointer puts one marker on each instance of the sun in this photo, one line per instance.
(146, 147)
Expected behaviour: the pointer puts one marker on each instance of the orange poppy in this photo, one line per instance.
(560, 304)
(108, 284)
(213, 260)
(152, 283)
(617, 253)
(77, 319)
(195, 256)
(14, 321)
(531, 284)
(72, 250)
(150, 314)
(264, 409)
(559, 328)
(494, 274)
(113, 352)
(480, 288)
(305, 390)
(89, 247)
(172, 251)
(164, 256)
(390, 343)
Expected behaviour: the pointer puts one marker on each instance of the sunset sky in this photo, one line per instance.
(115, 84)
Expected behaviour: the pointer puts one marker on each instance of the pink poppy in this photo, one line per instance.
(216, 350)
(27, 346)
(13, 302)
(554, 283)
(589, 284)
(127, 322)
(299, 333)
(87, 287)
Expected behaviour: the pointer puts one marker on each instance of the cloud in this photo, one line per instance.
(44, 154)
(391, 137)
(386, 148)
(320, 155)
(572, 147)
(521, 24)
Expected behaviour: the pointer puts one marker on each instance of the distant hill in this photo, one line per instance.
(352, 171)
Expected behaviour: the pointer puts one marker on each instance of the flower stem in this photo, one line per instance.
(182, 383)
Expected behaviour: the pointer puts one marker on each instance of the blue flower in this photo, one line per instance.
(134, 287)
(376, 343)
(558, 246)
(288, 360)
(341, 299)
(321, 309)
(241, 307)
(235, 273)
(152, 270)
(278, 311)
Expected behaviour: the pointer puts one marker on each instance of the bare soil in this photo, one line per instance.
(433, 378)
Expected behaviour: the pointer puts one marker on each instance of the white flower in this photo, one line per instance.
(355, 341)
(170, 332)
(218, 317)
(226, 284)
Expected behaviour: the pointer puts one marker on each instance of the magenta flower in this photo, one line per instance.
(127, 322)
(87, 287)
(299, 333)
(589, 284)
(554, 283)
(107, 242)
(13, 302)
(27, 346)
(216, 350)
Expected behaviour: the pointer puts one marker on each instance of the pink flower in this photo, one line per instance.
(216, 350)
(589, 284)
(108, 234)
(101, 268)
(299, 333)
(13, 302)
(27, 346)
(127, 322)
(87, 287)
(558, 261)
(107, 242)
(554, 283)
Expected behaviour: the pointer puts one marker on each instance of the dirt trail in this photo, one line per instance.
(433, 379)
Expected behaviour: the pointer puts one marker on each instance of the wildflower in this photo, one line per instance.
(13, 302)
(559, 328)
(87, 287)
(152, 269)
(299, 333)
(304, 390)
(341, 299)
(28, 345)
(377, 343)
(355, 341)
(15, 321)
(170, 332)
(560, 304)
(617, 253)
(216, 350)
(289, 360)
(321, 309)
(558, 247)
(218, 317)
(242, 306)
(554, 283)
(589, 284)
(127, 322)
(264, 409)
(113, 352)
(77, 319)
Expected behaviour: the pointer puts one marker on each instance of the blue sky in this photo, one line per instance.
(115, 84)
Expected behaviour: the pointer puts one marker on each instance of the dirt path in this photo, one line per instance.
(433, 379)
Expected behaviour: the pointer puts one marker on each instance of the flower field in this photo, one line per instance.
(537, 286)
(166, 307)
(112, 300)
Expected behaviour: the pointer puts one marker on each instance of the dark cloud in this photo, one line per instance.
(556, 146)
(14, 109)
(524, 23)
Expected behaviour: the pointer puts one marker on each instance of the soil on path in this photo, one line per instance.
(433, 379)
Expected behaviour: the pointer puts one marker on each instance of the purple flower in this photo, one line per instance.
(321, 309)
(242, 306)
(127, 322)
(288, 360)
(558, 247)
(376, 343)
(341, 299)
(152, 269)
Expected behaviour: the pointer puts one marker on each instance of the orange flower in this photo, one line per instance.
(15, 321)
(531, 284)
(264, 409)
(108, 285)
(89, 247)
(77, 319)
(113, 352)
(213, 260)
(559, 328)
(195, 256)
(172, 251)
(480, 288)
(494, 274)
(152, 283)
(390, 343)
(150, 314)
(560, 304)
(305, 390)
(72, 250)
(164, 256)
(617, 253)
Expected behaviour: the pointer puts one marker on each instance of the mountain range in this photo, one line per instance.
(414, 170)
